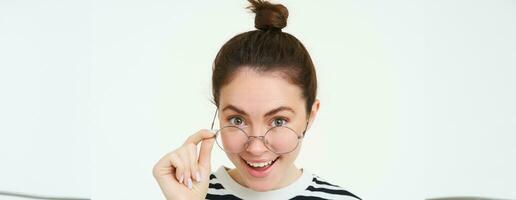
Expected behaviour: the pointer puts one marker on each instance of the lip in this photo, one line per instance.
(261, 173)
(259, 161)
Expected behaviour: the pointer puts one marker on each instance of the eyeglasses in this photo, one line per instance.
(278, 139)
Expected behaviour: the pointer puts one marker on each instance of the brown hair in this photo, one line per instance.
(267, 49)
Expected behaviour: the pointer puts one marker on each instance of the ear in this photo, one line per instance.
(313, 113)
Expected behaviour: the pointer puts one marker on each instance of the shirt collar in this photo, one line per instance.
(290, 191)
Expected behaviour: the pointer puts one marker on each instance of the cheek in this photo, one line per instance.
(233, 157)
(288, 159)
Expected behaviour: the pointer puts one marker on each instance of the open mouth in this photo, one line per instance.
(261, 165)
(260, 169)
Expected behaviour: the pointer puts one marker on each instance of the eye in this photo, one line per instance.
(237, 121)
(279, 122)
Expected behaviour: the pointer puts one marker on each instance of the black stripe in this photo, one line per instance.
(307, 198)
(216, 186)
(212, 176)
(322, 182)
(221, 197)
(330, 191)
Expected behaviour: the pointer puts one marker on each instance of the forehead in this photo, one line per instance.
(260, 92)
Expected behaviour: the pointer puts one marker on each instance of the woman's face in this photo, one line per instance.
(255, 102)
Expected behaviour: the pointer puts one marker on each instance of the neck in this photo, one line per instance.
(292, 175)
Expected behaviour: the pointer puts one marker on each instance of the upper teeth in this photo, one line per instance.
(262, 164)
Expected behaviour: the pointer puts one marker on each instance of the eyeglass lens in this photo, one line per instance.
(278, 139)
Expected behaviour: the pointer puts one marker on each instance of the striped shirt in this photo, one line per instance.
(306, 187)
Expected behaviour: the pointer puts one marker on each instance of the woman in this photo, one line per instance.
(264, 87)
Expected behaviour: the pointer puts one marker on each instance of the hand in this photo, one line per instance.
(181, 174)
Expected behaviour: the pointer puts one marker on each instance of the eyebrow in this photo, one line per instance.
(272, 112)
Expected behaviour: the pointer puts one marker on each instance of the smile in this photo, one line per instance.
(260, 164)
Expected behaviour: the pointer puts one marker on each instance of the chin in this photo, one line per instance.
(268, 183)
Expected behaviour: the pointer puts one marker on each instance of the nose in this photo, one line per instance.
(256, 145)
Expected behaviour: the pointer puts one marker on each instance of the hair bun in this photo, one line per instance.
(268, 16)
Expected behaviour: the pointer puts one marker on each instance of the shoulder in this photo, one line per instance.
(320, 188)
(217, 191)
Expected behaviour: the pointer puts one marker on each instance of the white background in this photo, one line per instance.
(417, 97)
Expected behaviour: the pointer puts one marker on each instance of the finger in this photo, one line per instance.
(178, 165)
(192, 153)
(199, 136)
(205, 153)
(164, 166)
(185, 158)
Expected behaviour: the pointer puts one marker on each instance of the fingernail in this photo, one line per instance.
(181, 178)
(198, 177)
(190, 183)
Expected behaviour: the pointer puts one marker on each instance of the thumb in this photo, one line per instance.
(205, 152)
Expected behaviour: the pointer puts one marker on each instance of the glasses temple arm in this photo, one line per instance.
(213, 121)
(306, 127)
